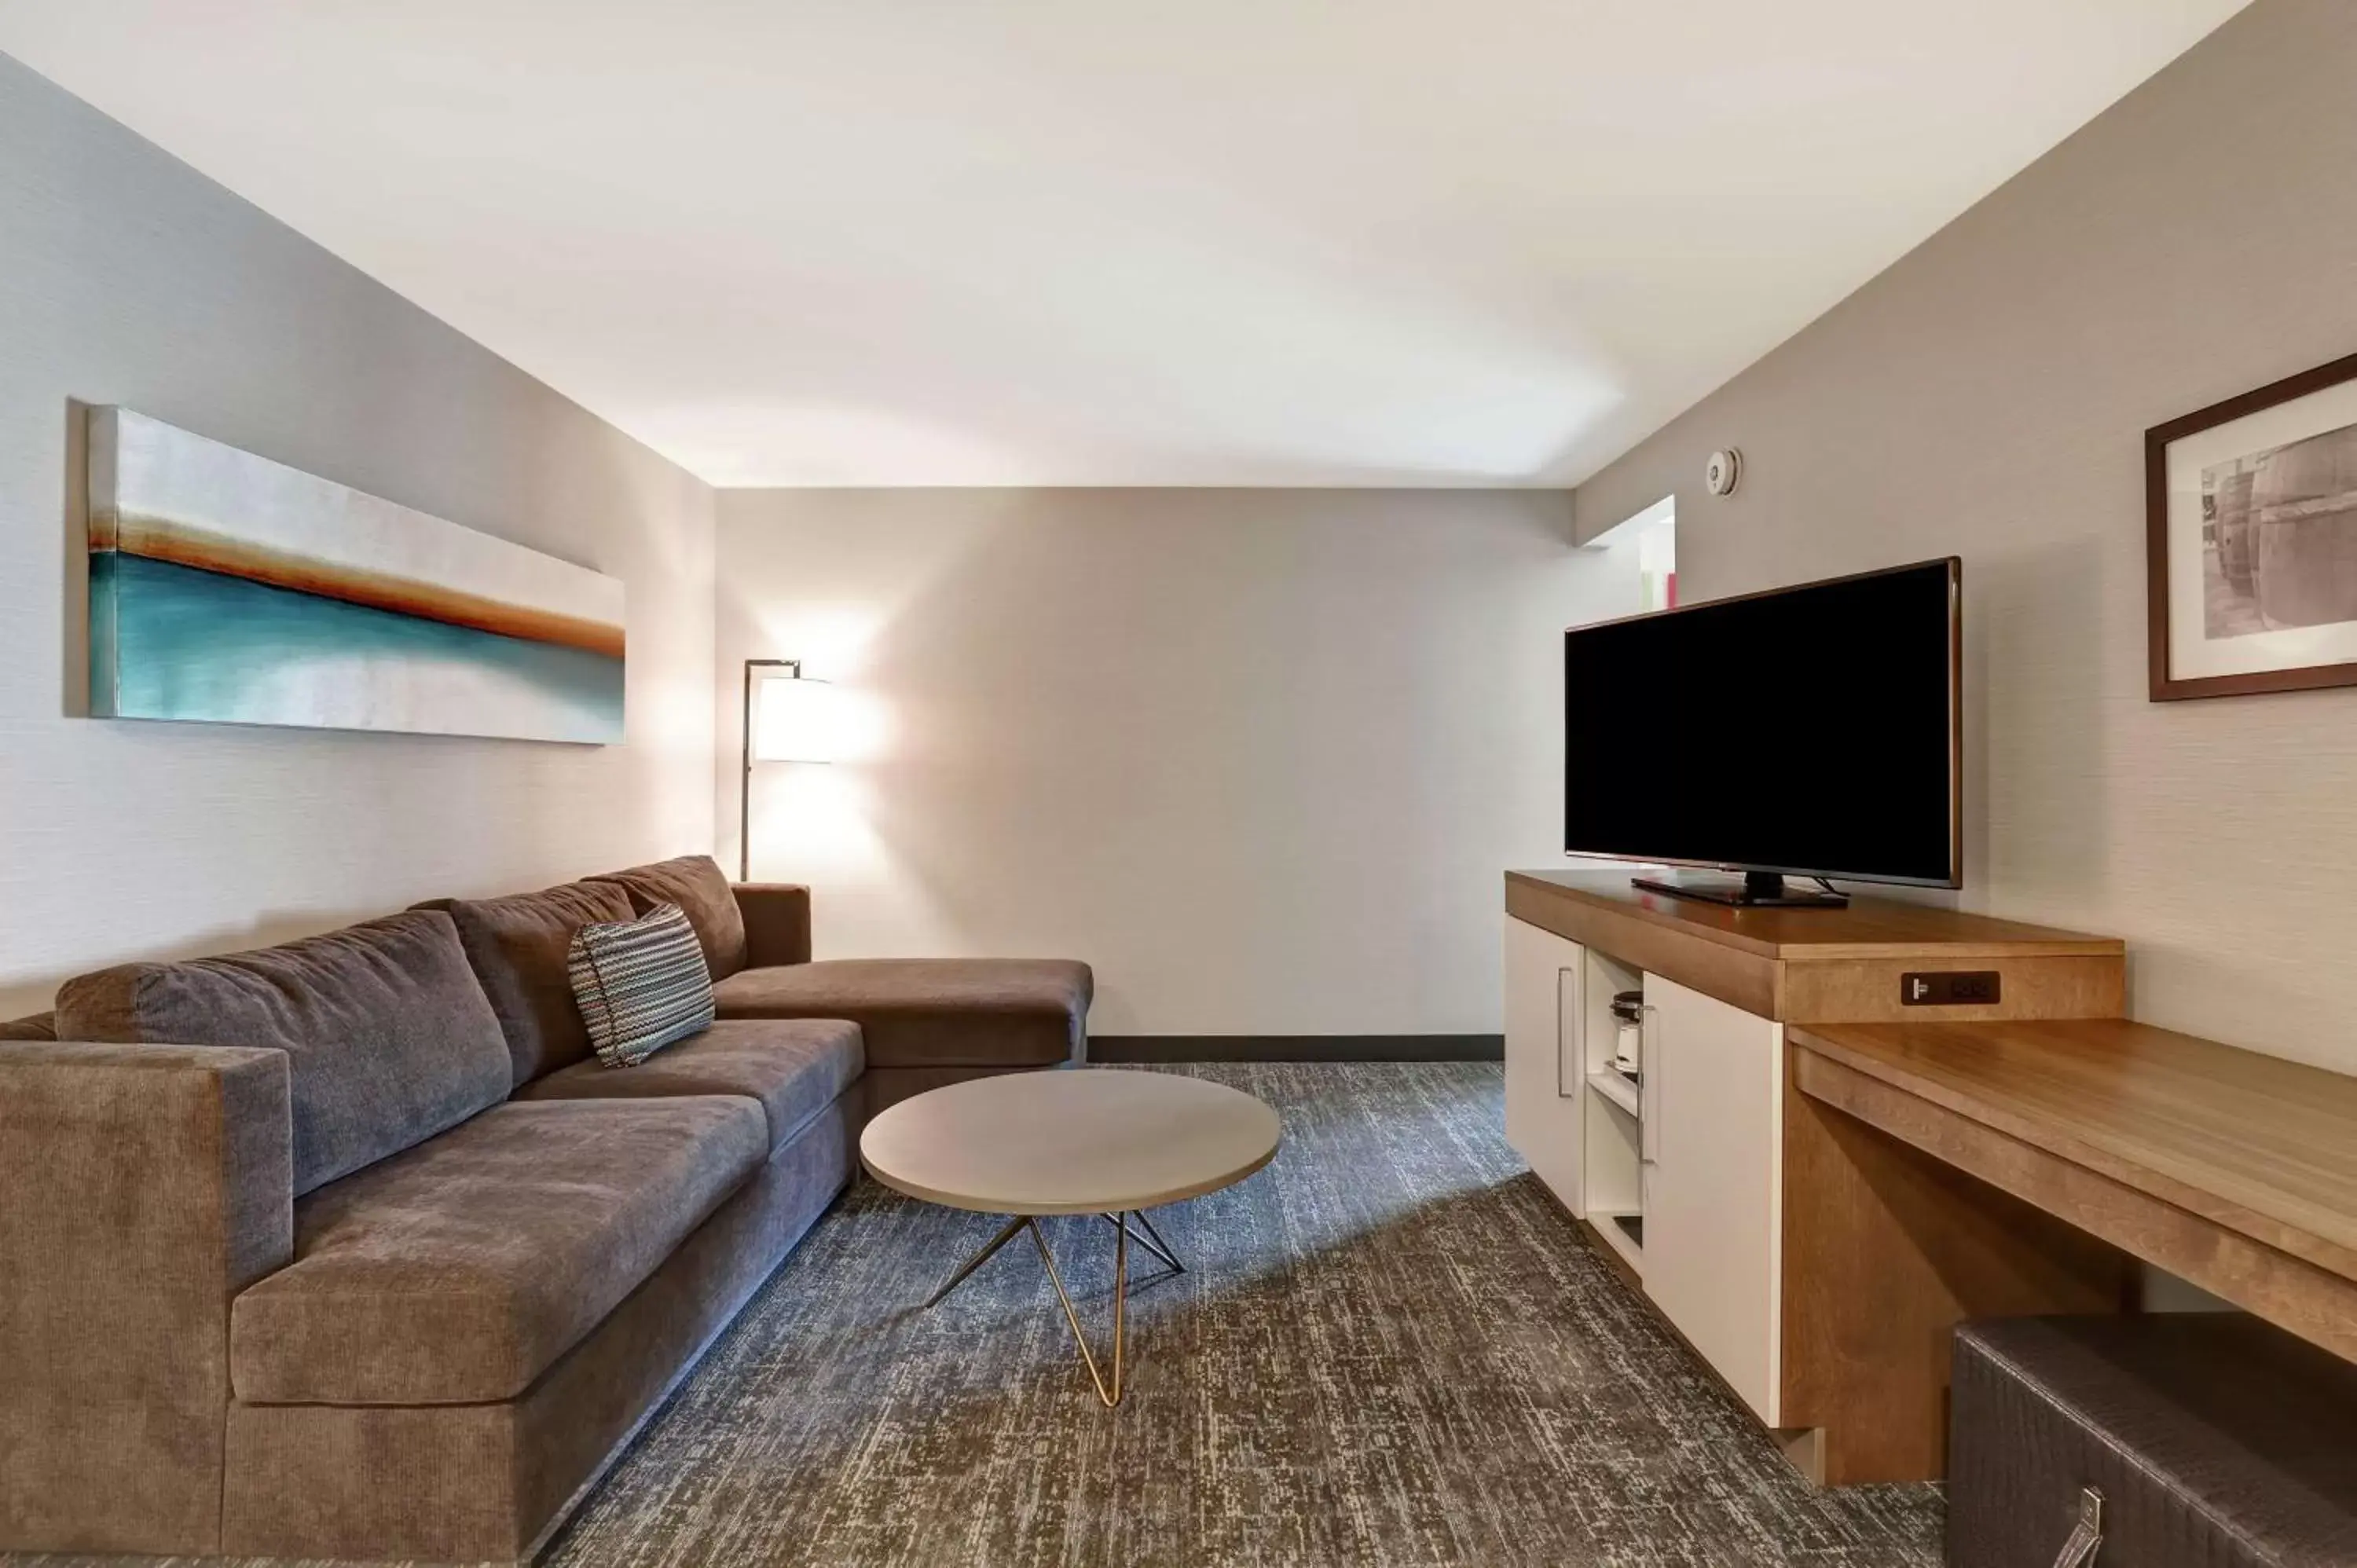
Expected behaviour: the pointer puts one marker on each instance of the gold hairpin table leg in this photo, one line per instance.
(1152, 1240)
(1120, 1294)
(957, 1279)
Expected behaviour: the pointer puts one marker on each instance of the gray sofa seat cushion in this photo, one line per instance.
(390, 1037)
(517, 946)
(931, 1012)
(459, 1272)
(794, 1067)
(697, 884)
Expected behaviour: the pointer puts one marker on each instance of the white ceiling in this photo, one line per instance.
(1082, 241)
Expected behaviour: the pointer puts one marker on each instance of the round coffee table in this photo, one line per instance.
(1090, 1141)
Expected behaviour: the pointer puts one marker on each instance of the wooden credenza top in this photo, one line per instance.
(1869, 928)
(1803, 965)
(2261, 1146)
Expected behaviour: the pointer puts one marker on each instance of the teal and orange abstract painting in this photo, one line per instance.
(226, 588)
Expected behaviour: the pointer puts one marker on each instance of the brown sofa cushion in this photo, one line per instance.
(794, 1067)
(931, 1012)
(40, 1027)
(390, 1038)
(517, 946)
(482, 1482)
(459, 1271)
(697, 885)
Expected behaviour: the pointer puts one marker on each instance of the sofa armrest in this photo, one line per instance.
(146, 1187)
(777, 922)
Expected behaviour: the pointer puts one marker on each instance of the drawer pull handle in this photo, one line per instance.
(2087, 1539)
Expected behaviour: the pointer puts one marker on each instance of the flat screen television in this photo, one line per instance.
(1808, 732)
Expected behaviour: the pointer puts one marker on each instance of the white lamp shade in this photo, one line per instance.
(796, 720)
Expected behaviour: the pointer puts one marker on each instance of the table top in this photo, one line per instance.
(2254, 1144)
(1087, 1140)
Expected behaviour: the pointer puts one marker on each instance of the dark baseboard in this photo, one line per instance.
(1297, 1047)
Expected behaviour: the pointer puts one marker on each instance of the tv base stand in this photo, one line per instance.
(1758, 890)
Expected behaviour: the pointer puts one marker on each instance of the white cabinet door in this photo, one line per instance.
(1714, 1190)
(1543, 1081)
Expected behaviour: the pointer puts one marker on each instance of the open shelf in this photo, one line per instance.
(1616, 1088)
(1625, 1234)
(1613, 1191)
(1615, 1175)
(1605, 976)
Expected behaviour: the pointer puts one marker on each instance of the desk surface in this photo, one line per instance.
(2257, 1148)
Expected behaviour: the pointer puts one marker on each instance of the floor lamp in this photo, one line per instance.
(786, 720)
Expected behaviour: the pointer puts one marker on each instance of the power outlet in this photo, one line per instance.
(1949, 988)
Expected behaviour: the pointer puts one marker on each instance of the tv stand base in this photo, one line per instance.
(1758, 890)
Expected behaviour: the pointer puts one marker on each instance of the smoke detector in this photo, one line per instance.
(1723, 472)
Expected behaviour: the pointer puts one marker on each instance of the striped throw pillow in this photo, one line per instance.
(640, 985)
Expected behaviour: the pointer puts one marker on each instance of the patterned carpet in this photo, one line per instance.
(1391, 1349)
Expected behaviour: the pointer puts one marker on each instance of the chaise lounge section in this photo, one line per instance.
(925, 1022)
(351, 1249)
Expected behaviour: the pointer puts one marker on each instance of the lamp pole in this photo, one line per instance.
(745, 778)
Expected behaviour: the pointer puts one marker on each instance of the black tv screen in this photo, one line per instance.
(1809, 731)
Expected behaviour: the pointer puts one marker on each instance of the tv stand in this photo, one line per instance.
(1758, 890)
(1815, 1263)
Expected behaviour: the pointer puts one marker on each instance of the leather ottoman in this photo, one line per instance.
(2211, 1439)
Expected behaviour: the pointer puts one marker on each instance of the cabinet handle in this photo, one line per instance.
(1649, 1087)
(1569, 1031)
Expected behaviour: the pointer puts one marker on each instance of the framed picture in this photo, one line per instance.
(2252, 528)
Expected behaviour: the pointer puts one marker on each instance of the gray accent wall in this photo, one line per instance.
(1259, 755)
(127, 277)
(1987, 396)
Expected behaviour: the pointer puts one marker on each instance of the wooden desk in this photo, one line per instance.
(2232, 1169)
(1832, 1178)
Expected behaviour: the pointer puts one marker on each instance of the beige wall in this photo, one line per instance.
(1259, 755)
(1987, 397)
(126, 277)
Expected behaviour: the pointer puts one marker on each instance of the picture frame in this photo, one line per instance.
(2250, 538)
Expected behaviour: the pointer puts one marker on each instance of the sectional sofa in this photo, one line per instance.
(350, 1248)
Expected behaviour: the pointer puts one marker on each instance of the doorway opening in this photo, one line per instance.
(1645, 548)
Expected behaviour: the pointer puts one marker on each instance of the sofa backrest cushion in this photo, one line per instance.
(40, 1027)
(697, 885)
(388, 1037)
(517, 946)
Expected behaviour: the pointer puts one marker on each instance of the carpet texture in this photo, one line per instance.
(1391, 1348)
